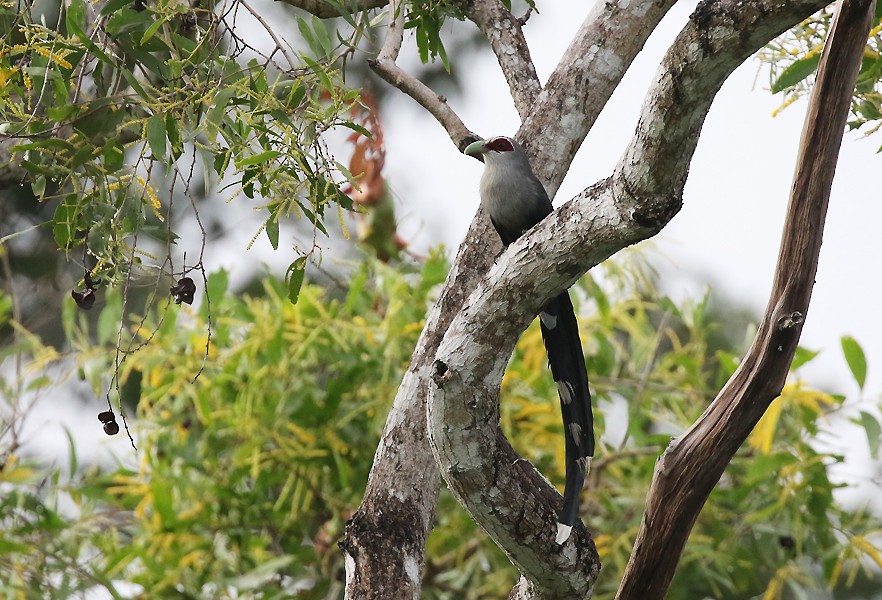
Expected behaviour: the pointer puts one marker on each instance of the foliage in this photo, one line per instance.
(794, 56)
(245, 477)
(427, 18)
(114, 107)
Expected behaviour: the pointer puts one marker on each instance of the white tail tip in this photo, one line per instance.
(563, 533)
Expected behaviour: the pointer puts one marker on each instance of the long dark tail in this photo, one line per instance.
(560, 332)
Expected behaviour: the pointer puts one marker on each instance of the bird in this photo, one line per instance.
(516, 201)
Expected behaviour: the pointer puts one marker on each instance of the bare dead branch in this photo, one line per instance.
(506, 38)
(384, 65)
(395, 33)
(279, 45)
(326, 10)
(523, 20)
(693, 463)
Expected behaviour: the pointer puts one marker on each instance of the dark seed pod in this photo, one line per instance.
(106, 416)
(111, 428)
(183, 291)
(84, 300)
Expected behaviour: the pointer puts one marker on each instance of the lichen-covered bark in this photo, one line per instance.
(410, 467)
(506, 38)
(326, 10)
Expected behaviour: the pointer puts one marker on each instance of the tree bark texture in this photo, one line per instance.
(384, 542)
(693, 463)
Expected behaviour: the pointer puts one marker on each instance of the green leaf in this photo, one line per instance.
(294, 278)
(109, 319)
(113, 155)
(174, 134)
(357, 128)
(113, 6)
(256, 159)
(322, 36)
(151, 31)
(217, 284)
(857, 361)
(72, 451)
(75, 18)
(802, 356)
(64, 221)
(796, 72)
(874, 432)
(38, 186)
(272, 231)
(296, 93)
(127, 20)
(221, 161)
(422, 40)
(156, 136)
(163, 501)
(306, 32)
(215, 116)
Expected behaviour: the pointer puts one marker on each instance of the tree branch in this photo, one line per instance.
(583, 81)
(385, 540)
(475, 460)
(384, 65)
(718, 37)
(693, 463)
(506, 37)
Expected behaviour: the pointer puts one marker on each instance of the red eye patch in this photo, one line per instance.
(500, 144)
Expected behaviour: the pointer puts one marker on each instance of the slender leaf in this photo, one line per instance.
(156, 135)
(874, 432)
(294, 278)
(857, 361)
(796, 72)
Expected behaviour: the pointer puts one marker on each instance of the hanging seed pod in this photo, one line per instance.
(183, 291)
(84, 300)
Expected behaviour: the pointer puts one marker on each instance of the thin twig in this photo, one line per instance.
(269, 30)
(384, 65)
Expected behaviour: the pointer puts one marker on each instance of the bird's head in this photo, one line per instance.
(498, 150)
